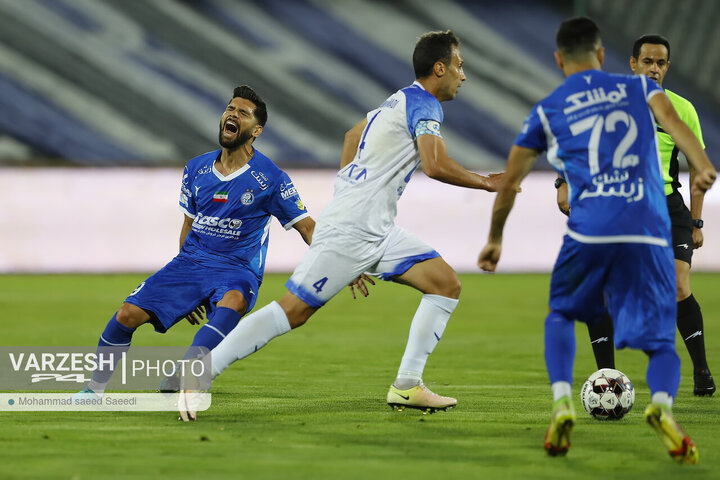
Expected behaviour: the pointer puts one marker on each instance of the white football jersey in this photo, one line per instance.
(367, 189)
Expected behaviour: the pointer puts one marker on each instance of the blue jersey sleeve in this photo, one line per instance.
(187, 198)
(424, 113)
(532, 134)
(285, 203)
(650, 87)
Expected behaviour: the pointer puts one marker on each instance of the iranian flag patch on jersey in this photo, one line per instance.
(220, 197)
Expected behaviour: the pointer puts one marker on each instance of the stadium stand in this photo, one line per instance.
(112, 82)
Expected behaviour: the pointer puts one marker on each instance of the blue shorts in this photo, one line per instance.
(636, 280)
(182, 285)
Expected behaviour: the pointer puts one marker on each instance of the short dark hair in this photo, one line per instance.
(246, 92)
(577, 36)
(433, 47)
(653, 39)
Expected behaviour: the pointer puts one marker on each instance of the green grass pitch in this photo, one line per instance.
(312, 403)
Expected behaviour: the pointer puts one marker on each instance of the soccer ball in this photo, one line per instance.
(607, 394)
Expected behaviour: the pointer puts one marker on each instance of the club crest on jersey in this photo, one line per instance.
(221, 197)
(300, 205)
(261, 179)
(247, 198)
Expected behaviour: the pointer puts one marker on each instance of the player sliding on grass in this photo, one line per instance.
(600, 136)
(356, 233)
(228, 197)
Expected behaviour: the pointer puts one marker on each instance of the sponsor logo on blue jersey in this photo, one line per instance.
(617, 186)
(596, 96)
(231, 223)
(287, 191)
(261, 179)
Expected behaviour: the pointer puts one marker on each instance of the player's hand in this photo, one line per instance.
(494, 180)
(697, 237)
(703, 180)
(196, 316)
(564, 208)
(489, 257)
(562, 199)
(359, 283)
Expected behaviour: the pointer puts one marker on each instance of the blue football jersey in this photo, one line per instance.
(599, 134)
(232, 214)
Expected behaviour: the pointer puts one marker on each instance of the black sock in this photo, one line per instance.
(690, 326)
(601, 338)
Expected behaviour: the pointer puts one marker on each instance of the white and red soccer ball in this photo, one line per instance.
(607, 394)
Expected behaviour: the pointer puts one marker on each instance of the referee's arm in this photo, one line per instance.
(686, 141)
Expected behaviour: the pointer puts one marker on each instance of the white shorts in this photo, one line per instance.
(337, 258)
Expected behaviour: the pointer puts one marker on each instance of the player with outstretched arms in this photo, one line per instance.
(356, 233)
(599, 133)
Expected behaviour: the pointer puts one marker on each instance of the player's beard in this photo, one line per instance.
(242, 137)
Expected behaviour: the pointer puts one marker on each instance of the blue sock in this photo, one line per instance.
(212, 333)
(559, 347)
(663, 372)
(116, 334)
(115, 339)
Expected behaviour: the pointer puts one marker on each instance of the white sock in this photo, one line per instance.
(560, 390)
(426, 329)
(662, 397)
(251, 334)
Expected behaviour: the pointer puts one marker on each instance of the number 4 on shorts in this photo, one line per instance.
(320, 284)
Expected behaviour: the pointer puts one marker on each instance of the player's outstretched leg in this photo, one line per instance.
(557, 437)
(208, 336)
(680, 447)
(255, 331)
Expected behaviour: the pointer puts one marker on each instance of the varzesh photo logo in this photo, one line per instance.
(104, 378)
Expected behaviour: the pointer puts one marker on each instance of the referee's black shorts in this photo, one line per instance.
(682, 227)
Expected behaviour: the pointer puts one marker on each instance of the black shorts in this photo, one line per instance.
(682, 227)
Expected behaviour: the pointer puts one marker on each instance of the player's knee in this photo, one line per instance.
(682, 276)
(131, 315)
(296, 311)
(682, 293)
(453, 287)
(447, 285)
(235, 300)
(298, 316)
(683, 290)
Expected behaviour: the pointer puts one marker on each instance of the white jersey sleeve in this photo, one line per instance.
(367, 189)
